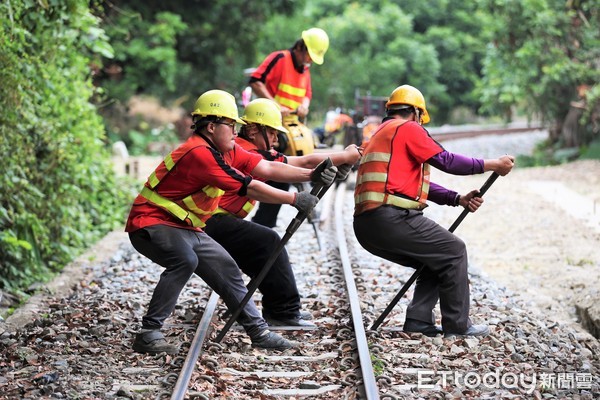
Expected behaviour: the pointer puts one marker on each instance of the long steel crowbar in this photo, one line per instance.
(415, 274)
(317, 190)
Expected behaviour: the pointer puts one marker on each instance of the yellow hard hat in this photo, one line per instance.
(264, 112)
(317, 43)
(408, 95)
(218, 103)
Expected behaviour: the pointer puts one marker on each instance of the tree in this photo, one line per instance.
(544, 61)
(179, 49)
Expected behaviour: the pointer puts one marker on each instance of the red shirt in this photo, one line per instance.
(231, 201)
(198, 168)
(282, 79)
(411, 146)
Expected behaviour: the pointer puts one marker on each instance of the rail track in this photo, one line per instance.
(341, 358)
(332, 361)
(453, 133)
(80, 347)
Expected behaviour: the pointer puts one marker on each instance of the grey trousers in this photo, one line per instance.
(183, 252)
(407, 237)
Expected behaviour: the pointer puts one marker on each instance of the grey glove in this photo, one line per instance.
(305, 202)
(324, 173)
(343, 172)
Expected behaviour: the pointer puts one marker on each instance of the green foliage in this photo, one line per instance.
(145, 52)
(544, 53)
(591, 151)
(376, 46)
(58, 191)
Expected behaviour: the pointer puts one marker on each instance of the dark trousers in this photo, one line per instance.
(251, 245)
(182, 252)
(407, 237)
(266, 214)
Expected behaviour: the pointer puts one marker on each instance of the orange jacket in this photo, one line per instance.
(393, 170)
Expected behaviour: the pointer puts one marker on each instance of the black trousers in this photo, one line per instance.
(266, 214)
(251, 245)
(407, 237)
(183, 252)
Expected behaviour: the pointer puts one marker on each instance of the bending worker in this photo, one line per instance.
(251, 244)
(284, 76)
(391, 192)
(166, 220)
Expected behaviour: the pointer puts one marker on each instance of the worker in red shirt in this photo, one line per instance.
(391, 192)
(251, 244)
(284, 76)
(167, 218)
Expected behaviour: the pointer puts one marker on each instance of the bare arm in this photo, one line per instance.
(349, 155)
(502, 165)
(262, 192)
(281, 172)
(302, 110)
(260, 90)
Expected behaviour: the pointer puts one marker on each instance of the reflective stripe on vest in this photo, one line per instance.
(154, 177)
(172, 207)
(292, 87)
(242, 213)
(194, 209)
(370, 191)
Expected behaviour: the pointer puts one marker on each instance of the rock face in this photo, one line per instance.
(588, 311)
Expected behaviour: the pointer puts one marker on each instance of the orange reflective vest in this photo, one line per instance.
(232, 202)
(287, 86)
(193, 209)
(372, 181)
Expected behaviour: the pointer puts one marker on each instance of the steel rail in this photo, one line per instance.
(453, 135)
(366, 365)
(195, 351)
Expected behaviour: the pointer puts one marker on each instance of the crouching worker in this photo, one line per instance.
(392, 187)
(167, 218)
(251, 244)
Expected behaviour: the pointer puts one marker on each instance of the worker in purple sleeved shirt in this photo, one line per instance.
(392, 187)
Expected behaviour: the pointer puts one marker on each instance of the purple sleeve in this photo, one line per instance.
(456, 164)
(440, 195)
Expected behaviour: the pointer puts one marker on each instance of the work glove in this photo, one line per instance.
(343, 172)
(305, 202)
(324, 173)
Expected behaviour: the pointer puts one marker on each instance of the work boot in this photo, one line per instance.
(416, 326)
(293, 321)
(473, 330)
(306, 315)
(271, 341)
(153, 342)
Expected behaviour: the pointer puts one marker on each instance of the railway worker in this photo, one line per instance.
(166, 220)
(390, 195)
(284, 76)
(251, 244)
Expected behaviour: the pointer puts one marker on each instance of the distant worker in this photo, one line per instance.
(284, 76)
(391, 192)
(166, 220)
(251, 244)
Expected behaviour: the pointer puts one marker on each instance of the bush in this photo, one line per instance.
(59, 194)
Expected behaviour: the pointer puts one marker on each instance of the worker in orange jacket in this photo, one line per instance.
(284, 76)
(392, 189)
(167, 218)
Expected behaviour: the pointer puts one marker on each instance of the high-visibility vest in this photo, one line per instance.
(372, 176)
(291, 89)
(193, 209)
(232, 203)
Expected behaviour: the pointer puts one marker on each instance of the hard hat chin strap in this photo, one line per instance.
(263, 132)
(418, 115)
